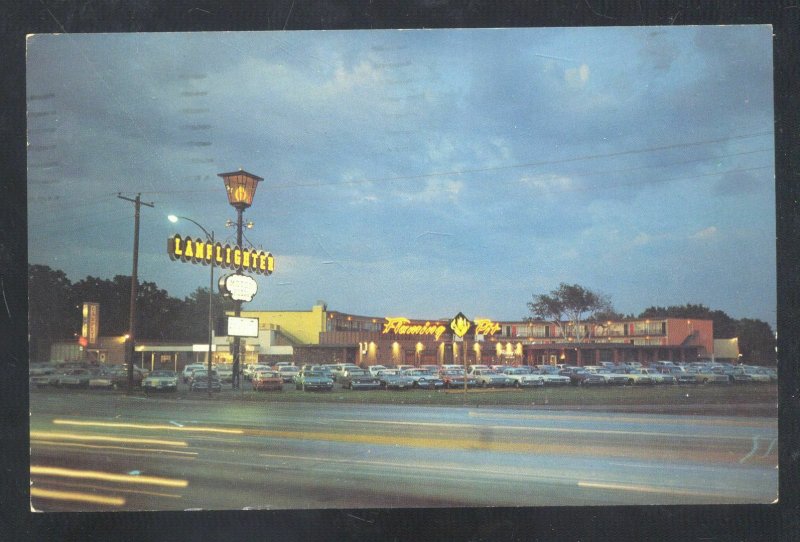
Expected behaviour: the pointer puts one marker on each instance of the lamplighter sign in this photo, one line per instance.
(226, 256)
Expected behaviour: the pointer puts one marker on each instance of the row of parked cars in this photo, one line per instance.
(44, 375)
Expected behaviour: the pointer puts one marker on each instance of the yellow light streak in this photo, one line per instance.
(123, 448)
(119, 490)
(75, 436)
(107, 476)
(149, 426)
(644, 489)
(75, 496)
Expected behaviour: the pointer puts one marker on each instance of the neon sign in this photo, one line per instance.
(226, 256)
(486, 327)
(403, 326)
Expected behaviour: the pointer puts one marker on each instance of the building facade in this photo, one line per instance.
(333, 336)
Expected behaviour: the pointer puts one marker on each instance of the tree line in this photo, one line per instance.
(55, 303)
(570, 306)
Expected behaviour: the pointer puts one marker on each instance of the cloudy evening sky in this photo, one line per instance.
(418, 173)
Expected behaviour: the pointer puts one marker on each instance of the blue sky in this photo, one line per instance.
(418, 173)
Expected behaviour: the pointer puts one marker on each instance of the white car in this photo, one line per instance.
(161, 380)
(523, 378)
(225, 373)
(288, 372)
(375, 369)
(189, 369)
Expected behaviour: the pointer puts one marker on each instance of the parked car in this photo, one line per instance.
(658, 377)
(392, 379)
(582, 377)
(613, 377)
(187, 371)
(288, 372)
(252, 369)
(756, 374)
(375, 369)
(340, 368)
(680, 375)
(521, 377)
(267, 379)
(551, 377)
(313, 380)
(639, 377)
(199, 381)
(358, 379)
(76, 378)
(490, 378)
(423, 378)
(704, 375)
(225, 372)
(161, 380)
(454, 378)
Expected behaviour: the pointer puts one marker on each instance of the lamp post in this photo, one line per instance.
(241, 188)
(210, 238)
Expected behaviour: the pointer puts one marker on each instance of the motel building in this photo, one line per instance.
(319, 336)
(324, 336)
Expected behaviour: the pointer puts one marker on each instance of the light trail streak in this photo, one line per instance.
(646, 489)
(122, 448)
(118, 489)
(148, 426)
(552, 429)
(76, 496)
(74, 436)
(107, 476)
(586, 416)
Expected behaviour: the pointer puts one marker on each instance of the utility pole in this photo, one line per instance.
(129, 350)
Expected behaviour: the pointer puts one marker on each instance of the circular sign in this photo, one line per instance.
(238, 287)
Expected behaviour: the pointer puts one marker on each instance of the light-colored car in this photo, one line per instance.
(225, 373)
(658, 377)
(639, 377)
(454, 378)
(375, 369)
(551, 376)
(704, 375)
(288, 372)
(757, 374)
(612, 376)
(252, 369)
(340, 368)
(187, 371)
(161, 380)
(72, 377)
(523, 378)
(491, 378)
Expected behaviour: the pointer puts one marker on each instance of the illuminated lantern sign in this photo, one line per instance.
(238, 287)
(226, 256)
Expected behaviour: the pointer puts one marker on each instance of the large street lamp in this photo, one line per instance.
(210, 238)
(241, 188)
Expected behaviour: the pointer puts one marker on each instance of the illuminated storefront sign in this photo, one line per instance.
(90, 329)
(460, 326)
(403, 326)
(226, 256)
(486, 327)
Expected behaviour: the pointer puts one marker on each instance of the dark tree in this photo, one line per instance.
(52, 315)
(569, 307)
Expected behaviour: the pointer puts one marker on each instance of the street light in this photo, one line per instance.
(210, 238)
(241, 188)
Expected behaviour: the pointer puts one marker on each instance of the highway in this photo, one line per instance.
(108, 451)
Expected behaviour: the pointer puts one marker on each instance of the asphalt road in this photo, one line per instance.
(94, 451)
